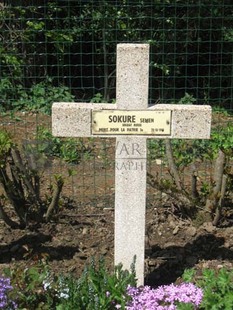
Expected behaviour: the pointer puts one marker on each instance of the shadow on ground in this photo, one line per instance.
(166, 265)
(35, 244)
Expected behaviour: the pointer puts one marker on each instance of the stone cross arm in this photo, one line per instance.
(187, 121)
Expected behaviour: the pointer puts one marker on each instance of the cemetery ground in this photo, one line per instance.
(84, 229)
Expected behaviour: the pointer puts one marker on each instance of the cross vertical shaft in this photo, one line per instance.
(130, 171)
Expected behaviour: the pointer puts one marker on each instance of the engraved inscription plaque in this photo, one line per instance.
(122, 122)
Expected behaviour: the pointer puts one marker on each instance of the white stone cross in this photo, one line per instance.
(131, 121)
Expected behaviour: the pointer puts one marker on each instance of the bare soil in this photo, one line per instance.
(83, 229)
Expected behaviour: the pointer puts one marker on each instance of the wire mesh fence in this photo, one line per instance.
(73, 44)
(66, 51)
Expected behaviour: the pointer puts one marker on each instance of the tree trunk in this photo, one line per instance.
(172, 165)
(6, 219)
(215, 199)
(55, 199)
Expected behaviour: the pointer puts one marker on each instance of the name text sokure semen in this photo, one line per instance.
(122, 118)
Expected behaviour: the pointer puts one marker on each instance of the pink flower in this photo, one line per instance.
(164, 297)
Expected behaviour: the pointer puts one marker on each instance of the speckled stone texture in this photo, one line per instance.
(130, 173)
(188, 121)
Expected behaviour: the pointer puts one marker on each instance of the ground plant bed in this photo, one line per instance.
(82, 232)
(83, 227)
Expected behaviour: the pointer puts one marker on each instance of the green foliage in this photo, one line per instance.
(97, 288)
(21, 173)
(205, 189)
(222, 138)
(217, 287)
(41, 96)
(30, 289)
(36, 287)
(5, 146)
(71, 150)
(6, 88)
(38, 98)
(47, 143)
(189, 154)
(185, 306)
(98, 98)
(188, 275)
(49, 40)
(220, 111)
(187, 99)
(185, 152)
